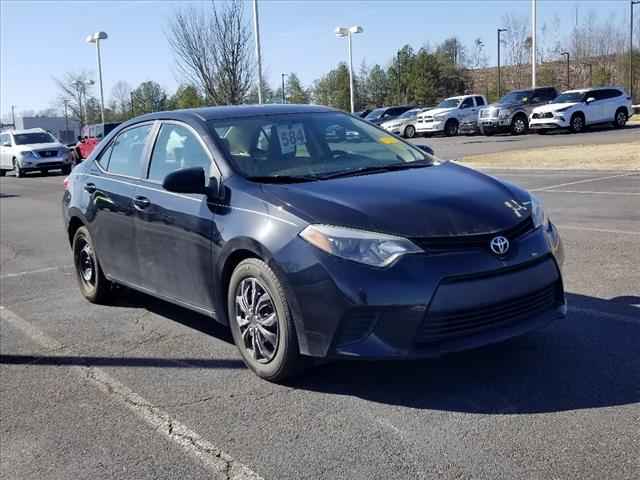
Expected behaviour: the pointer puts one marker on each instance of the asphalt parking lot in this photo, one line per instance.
(452, 148)
(144, 389)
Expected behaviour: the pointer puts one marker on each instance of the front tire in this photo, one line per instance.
(410, 131)
(576, 124)
(94, 286)
(451, 128)
(19, 172)
(261, 322)
(2, 172)
(66, 170)
(519, 125)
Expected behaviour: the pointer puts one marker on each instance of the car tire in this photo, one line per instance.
(410, 131)
(451, 128)
(519, 125)
(620, 120)
(2, 173)
(66, 170)
(45, 172)
(94, 286)
(576, 124)
(261, 323)
(18, 172)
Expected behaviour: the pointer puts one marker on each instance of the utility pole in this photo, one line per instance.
(13, 115)
(66, 118)
(284, 98)
(534, 56)
(256, 33)
(500, 30)
(568, 55)
(631, 4)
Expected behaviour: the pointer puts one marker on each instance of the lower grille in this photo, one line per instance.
(49, 164)
(356, 326)
(48, 153)
(446, 326)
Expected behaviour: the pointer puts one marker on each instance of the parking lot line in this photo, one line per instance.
(597, 179)
(601, 230)
(29, 272)
(222, 465)
(589, 192)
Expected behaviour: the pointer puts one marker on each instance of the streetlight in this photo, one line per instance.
(95, 38)
(347, 32)
(568, 55)
(632, 3)
(256, 33)
(284, 98)
(500, 30)
(534, 56)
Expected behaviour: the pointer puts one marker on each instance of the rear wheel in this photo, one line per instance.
(410, 131)
(261, 322)
(94, 286)
(620, 118)
(576, 124)
(451, 128)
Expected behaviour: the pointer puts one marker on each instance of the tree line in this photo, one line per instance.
(213, 50)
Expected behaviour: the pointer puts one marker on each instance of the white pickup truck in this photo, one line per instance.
(450, 114)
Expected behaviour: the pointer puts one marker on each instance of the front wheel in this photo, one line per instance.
(576, 125)
(410, 131)
(94, 286)
(519, 125)
(2, 172)
(261, 322)
(451, 128)
(66, 170)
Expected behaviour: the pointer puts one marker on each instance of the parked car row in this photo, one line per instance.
(517, 112)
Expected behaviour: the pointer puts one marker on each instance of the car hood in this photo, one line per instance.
(444, 200)
(437, 111)
(42, 146)
(552, 107)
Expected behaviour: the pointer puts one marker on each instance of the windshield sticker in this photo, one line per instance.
(290, 137)
(387, 140)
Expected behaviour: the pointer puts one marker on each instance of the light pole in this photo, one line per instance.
(347, 32)
(568, 55)
(13, 115)
(256, 34)
(500, 30)
(632, 3)
(95, 38)
(534, 57)
(66, 118)
(284, 98)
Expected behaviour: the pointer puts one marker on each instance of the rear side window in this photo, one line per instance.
(611, 93)
(127, 151)
(176, 147)
(479, 101)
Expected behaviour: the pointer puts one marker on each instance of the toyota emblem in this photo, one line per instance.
(499, 245)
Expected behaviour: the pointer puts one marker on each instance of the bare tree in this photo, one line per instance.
(518, 43)
(212, 49)
(121, 98)
(75, 89)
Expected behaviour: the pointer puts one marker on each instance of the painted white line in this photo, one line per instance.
(219, 463)
(601, 230)
(597, 179)
(589, 192)
(29, 272)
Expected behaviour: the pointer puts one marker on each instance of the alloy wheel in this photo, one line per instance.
(577, 123)
(519, 126)
(257, 320)
(621, 119)
(85, 263)
(410, 132)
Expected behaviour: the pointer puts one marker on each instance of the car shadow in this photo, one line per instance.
(589, 360)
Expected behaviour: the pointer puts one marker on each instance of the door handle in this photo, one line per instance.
(90, 187)
(141, 202)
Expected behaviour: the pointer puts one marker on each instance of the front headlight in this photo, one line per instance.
(537, 212)
(370, 248)
(29, 154)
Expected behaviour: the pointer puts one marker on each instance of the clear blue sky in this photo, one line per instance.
(43, 39)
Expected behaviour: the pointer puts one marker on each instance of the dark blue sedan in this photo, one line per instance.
(311, 233)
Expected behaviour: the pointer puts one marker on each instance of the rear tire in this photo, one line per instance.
(94, 286)
(620, 118)
(576, 124)
(261, 322)
(410, 131)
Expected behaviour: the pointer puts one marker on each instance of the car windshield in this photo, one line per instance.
(515, 97)
(311, 146)
(569, 97)
(31, 138)
(375, 114)
(449, 103)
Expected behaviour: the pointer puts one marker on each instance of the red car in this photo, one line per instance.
(90, 136)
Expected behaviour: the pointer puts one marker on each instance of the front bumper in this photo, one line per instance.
(548, 123)
(495, 124)
(424, 305)
(49, 163)
(430, 127)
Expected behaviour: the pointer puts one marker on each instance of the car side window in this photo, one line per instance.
(177, 147)
(467, 103)
(611, 93)
(4, 139)
(127, 151)
(479, 101)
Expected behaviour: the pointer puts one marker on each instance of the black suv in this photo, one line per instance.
(511, 112)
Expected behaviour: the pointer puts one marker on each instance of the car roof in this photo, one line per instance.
(27, 130)
(235, 111)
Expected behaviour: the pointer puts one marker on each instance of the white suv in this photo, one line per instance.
(33, 149)
(575, 109)
(450, 114)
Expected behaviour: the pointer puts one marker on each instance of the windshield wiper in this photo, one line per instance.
(377, 169)
(283, 178)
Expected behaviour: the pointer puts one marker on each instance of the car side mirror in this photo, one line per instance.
(186, 180)
(589, 100)
(425, 148)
